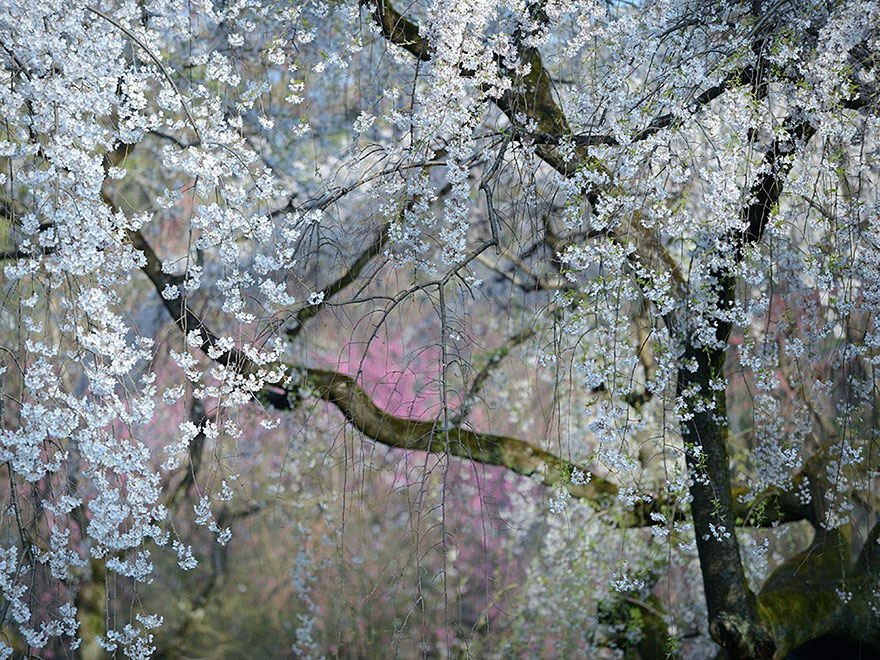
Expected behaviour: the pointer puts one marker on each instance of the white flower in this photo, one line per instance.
(171, 292)
(363, 123)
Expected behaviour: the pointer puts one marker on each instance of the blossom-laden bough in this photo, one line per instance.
(683, 196)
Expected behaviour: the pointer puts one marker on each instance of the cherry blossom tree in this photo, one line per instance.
(666, 210)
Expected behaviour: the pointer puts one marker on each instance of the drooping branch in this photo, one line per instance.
(482, 376)
(192, 608)
(532, 96)
(535, 282)
(347, 278)
(359, 409)
(515, 454)
(740, 77)
(430, 436)
(190, 472)
(374, 249)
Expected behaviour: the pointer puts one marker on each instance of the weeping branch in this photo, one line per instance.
(742, 76)
(735, 622)
(492, 362)
(355, 404)
(430, 436)
(347, 278)
(532, 95)
(179, 311)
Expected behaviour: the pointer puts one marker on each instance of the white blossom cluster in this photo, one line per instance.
(672, 180)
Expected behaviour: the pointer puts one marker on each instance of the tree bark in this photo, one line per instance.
(734, 622)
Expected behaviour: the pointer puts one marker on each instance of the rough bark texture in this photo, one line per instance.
(734, 621)
(514, 454)
(733, 618)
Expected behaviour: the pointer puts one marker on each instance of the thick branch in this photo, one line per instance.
(659, 123)
(765, 191)
(182, 315)
(402, 433)
(533, 96)
(343, 391)
(399, 30)
(516, 455)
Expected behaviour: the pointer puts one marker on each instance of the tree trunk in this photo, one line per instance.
(734, 622)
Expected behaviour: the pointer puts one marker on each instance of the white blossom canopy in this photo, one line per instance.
(683, 195)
